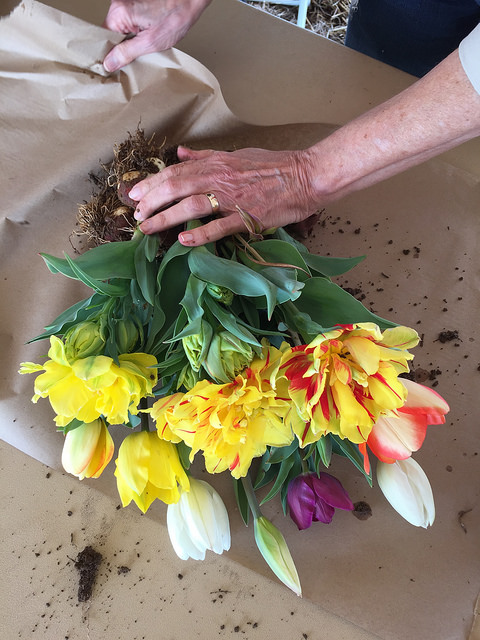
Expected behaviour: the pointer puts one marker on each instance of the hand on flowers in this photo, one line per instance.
(274, 188)
(157, 25)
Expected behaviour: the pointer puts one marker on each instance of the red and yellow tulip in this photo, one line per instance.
(345, 379)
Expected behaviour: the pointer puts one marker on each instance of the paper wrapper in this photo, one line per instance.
(61, 115)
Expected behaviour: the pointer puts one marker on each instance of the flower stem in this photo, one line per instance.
(144, 417)
(251, 497)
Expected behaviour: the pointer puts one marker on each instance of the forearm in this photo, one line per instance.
(435, 114)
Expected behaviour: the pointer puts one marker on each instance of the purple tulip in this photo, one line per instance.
(313, 498)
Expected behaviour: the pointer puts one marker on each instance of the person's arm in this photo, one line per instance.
(157, 25)
(437, 113)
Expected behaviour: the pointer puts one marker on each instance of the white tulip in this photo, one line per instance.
(406, 487)
(198, 521)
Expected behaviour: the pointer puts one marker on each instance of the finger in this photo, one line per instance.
(191, 208)
(212, 231)
(184, 153)
(163, 189)
(127, 51)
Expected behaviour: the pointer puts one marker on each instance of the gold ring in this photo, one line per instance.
(214, 202)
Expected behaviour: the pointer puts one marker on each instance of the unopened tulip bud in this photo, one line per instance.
(222, 294)
(83, 340)
(227, 356)
(87, 450)
(276, 554)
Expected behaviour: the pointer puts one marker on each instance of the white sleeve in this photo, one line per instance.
(469, 52)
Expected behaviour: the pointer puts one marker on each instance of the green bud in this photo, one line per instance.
(227, 356)
(83, 340)
(222, 294)
(187, 378)
(272, 546)
(126, 335)
(196, 346)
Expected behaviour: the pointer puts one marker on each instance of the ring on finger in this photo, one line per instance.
(213, 202)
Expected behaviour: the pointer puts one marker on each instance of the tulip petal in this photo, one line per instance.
(395, 437)
(424, 400)
(331, 491)
(301, 502)
(182, 543)
(405, 485)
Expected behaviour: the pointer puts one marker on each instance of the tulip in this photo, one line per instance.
(313, 498)
(222, 294)
(196, 345)
(127, 335)
(87, 450)
(405, 485)
(149, 468)
(83, 340)
(227, 356)
(276, 554)
(198, 521)
(396, 436)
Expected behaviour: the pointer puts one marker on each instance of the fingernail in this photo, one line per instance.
(186, 238)
(137, 214)
(109, 64)
(134, 193)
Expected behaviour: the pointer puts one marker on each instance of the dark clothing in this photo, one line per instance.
(412, 35)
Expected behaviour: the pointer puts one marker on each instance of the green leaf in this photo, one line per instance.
(265, 476)
(281, 252)
(110, 260)
(283, 472)
(184, 454)
(73, 424)
(242, 500)
(76, 313)
(229, 322)
(295, 471)
(324, 450)
(108, 289)
(329, 305)
(322, 265)
(145, 270)
(278, 454)
(351, 451)
(330, 266)
(233, 275)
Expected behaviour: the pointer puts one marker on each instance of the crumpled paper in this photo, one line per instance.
(61, 114)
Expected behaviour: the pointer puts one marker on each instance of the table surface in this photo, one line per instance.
(48, 516)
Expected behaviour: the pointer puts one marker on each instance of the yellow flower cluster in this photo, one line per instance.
(90, 387)
(231, 423)
(340, 383)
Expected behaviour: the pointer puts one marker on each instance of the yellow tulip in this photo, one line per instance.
(87, 450)
(148, 468)
(91, 387)
(235, 422)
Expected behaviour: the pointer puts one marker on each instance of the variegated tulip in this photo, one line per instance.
(87, 450)
(396, 435)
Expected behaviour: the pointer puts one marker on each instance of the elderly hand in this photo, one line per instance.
(264, 188)
(157, 25)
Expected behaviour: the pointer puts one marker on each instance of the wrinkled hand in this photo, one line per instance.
(274, 188)
(157, 25)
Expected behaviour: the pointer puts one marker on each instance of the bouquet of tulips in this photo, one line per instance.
(241, 350)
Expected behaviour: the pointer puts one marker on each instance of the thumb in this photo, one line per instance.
(124, 53)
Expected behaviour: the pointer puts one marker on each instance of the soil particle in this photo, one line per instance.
(362, 510)
(447, 336)
(87, 564)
